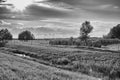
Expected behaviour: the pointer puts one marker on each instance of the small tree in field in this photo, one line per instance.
(26, 35)
(85, 30)
(5, 35)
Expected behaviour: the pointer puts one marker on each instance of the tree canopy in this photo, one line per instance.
(114, 32)
(26, 35)
(5, 35)
(85, 30)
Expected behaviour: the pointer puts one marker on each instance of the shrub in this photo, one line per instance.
(60, 42)
(5, 34)
(76, 42)
(77, 66)
(3, 43)
(96, 44)
(63, 61)
(106, 42)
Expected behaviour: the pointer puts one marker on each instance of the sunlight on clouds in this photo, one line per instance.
(108, 6)
(20, 5)
(56, 6)
(4, 23)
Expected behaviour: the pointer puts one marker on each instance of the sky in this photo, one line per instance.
(58, 18)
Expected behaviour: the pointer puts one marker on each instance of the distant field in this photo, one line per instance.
(32, 42)
(100, 64)
(115, 47)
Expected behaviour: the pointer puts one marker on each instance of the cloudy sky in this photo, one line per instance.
(58, 18)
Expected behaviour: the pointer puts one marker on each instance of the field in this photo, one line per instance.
(92, 62)
(16, 68)
(115, 47)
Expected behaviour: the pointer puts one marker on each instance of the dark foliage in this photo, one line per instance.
(5, 35)
(62, 42)
(76, 42)
(26, 35)
(3, 43)
(63, 61)
(106, 42)
(85, 30)
(114, 32)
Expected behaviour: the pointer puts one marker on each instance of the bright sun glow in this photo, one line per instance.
(20, 5)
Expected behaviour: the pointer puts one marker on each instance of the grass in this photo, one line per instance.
(16, 68)
(100, 64)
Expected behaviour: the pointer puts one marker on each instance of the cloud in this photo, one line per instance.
(36, 10)
(59, 17)
(8, 24)
(20, 24)
(102, 28)
(4, 23)
(46, 32)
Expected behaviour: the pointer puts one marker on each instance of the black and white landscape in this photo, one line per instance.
(59, 39)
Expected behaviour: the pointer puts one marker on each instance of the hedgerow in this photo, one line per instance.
(90, 43)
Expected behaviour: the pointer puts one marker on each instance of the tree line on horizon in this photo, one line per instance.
(85, 30)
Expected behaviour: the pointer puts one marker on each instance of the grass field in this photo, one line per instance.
(115, 47)
(100, 64)
(16, 68)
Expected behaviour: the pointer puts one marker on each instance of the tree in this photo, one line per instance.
(85, 30)
(114, 32)
(26, 35)
(5, 35)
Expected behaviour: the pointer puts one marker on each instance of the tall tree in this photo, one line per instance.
(26, 35)
(85, 30)
(114, 32)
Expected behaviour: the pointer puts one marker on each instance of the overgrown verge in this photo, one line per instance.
(3, 43)
(78, 63)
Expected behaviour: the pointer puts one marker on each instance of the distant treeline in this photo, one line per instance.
(83, 40)
(91, 43)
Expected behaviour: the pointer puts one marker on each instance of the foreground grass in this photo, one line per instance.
(100, 64)
(16, 68)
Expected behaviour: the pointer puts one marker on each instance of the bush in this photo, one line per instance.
(106, 42)
(3, 43)
(5, 34)
(90, 43)
(60, 42)
(63, 61)
(76, 42)
(96, 44)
